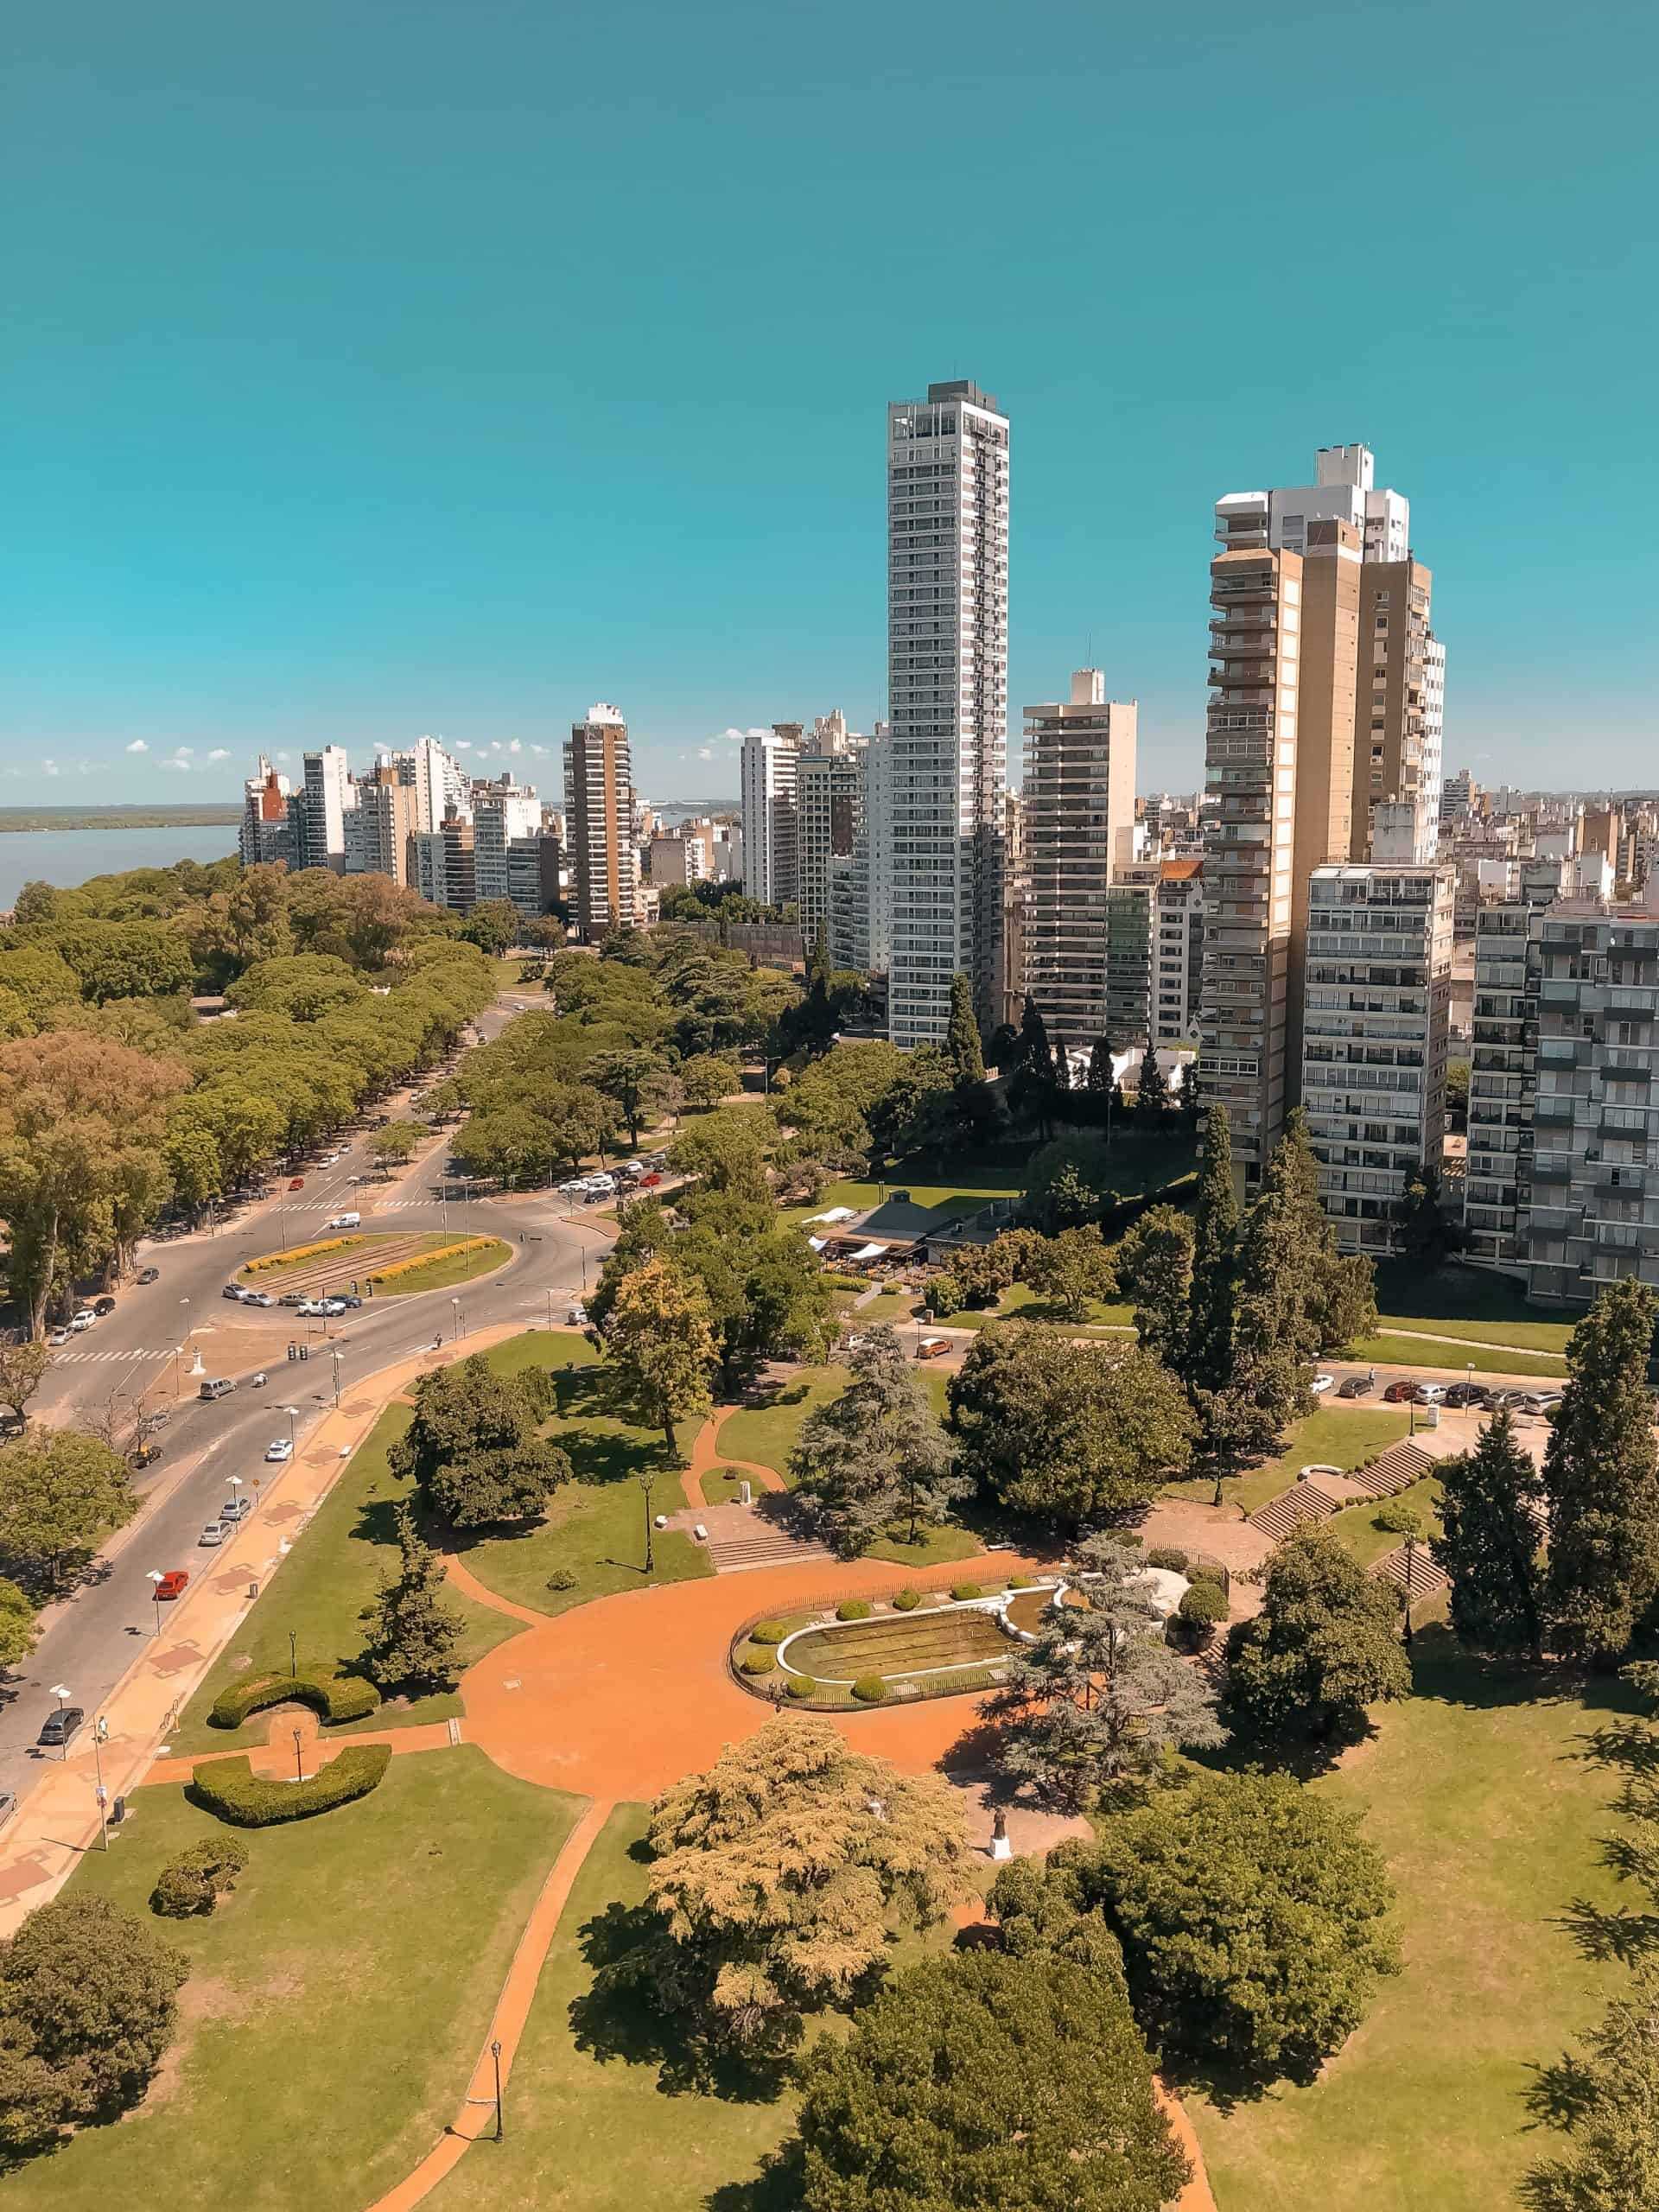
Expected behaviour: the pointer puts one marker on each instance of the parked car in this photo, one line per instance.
(348, 1300)
(233, 1290)
(650, 1182)
(217, 1386)
(60, 1727)
(296, 1182)
(213, 1534)
(1465, 1394)
(1541, 1401)
(292, 1298)
(309, 1309)
(150, 1274)
(58, 1338)
(8, 1805)
(1355, 1386)
(1400, 1393)
(1431, 1394)
(932, 1347)
(1321, 1384)
(172, 1582)
(345, 1221)
(257, 1298)
(83, 1320)
(1499, 1402)
(236, 1508)
(103, 1306)
(281, 1447)
(332, 1307)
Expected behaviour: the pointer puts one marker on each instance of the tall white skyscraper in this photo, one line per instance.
(770, 829)
(324, 798)
(948, 686)
(598, 814)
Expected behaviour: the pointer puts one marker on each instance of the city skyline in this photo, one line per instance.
(292, 462)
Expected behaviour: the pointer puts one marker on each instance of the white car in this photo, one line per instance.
(1430, 1394)
(345, 1221)
(212, 1534)
(85, 1319)
(59, 1337)
(281, 1449)
(311, 1309)
(259, 1297)
(1321, 1384)
(331, 1307)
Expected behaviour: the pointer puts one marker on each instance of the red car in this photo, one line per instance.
(650, 1182)
(172, 1582)
(1399, 1393)
(297, 1182)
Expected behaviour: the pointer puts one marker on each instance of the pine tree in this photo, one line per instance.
(1100, 1066)
(1062, 1066)
(1602, 1481)
(1490, 1514)
(876, 1453)
(1215, 1233)
(1036, 1055)
(414, 1631)
(962, 1042)
(1152, 1097)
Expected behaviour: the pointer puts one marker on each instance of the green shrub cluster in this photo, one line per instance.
(853, 1608)
(197, 1879)
(563, 1577)
(758, 1663)
(1203, 1606)
(334, 1697)
(767, 1632)
(801, 1686)
(869, 1690)
(1397, 1520)
(230, 1789)
(962, 1591)
(905, 1601)
(1168, 1555)
(1022, 1582)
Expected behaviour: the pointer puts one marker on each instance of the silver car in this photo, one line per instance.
(211, 1536)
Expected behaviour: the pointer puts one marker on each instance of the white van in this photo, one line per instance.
(345, 1221)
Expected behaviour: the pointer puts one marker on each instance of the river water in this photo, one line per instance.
(65, 857)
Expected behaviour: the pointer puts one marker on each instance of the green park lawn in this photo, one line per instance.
(766, 1435)
(1105, 1317)
(1358, 1531)
(887, 1306)
(594, 1527)
(1335, 1436)
(932, 1548)
(336, 2000)
(1387, 1350)
(447, 1270)
(318, 1592)
(1491, 1821)
(591, 2123)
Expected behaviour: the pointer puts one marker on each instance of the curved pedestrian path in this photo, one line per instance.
(707, 1457)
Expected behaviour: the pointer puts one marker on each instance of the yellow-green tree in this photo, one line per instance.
(659, 1336)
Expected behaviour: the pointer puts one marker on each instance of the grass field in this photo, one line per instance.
(319, 1591)
(1417, 1351)
(596, 1524)
(447, 1270)
(1335, 1436)
(766, 1435)
(1467, 1302)
(898, 1644)
(933, 1546)
(336, 2001)
(1490, 1821)
(1104, 1317)
(592, 2126)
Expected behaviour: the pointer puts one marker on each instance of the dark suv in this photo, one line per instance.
(58, 1727)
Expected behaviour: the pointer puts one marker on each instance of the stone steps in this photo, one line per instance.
(1283, 1515)
(762, 1546)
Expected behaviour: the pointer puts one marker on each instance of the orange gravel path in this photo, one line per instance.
(706, 1456)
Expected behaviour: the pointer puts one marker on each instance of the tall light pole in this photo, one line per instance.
(299, 1759)
(454, 1308)
(335, 1355)
(647, 1482)
(100, 1736)
(235, 1482)
(155, 1578)
(62, 1691)
(292, 1414)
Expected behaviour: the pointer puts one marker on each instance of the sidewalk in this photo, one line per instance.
(59, 1818)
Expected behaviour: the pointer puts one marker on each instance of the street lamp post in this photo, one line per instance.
(293, 1655)
(454, 1308)
(647, 1482)
(335, 1355)
(299, 1759)
(235, 1484)
(62, 1691)
(1411, 1563)
(155, 1579)
(495, 2053)
(100, 1736)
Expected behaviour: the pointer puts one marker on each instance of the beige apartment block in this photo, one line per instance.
(1079, 830)
(599, 823)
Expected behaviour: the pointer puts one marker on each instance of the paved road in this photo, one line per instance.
(90, 1638)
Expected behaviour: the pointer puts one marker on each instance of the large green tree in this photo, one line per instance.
(88, 2006)
(1100, 1698)
(19, 1632)
(1069, 1433)
(982, 2080)
(780, 1880)
(415, 1631)
(61, 1492)
(1214, 1322)
(876, 1453)
(1154, 1265)
(1491, 1511)
(1070, 1271)
(1325, 1645)
(1604, 2100)
(474, 1446)
(962, 1042)
(1254, 1918)
(1602, 1478)
(658, 1334)
(22, 1370)
(635, 1082)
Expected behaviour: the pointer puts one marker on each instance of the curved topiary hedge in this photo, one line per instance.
(869, 1690)
(333, 1697)
(1170, 1556)
(230, 1789)
(853, 1608)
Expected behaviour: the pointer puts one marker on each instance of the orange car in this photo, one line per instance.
(932, 1347)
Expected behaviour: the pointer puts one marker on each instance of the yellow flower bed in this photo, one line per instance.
(431, 1258)
(301, 1252)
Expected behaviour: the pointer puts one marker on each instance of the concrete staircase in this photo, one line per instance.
(1427, 1581)
(1317, 1496)
(741, 1536)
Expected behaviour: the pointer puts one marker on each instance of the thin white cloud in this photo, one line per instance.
(137, 746)
(220, 752)
(538, 750)
(463, 745)
(183, 752)
(757, 732)
(183, 766)
(516, 746)
(705, 752)
(48, 767)
(282, 756)
(735, 736)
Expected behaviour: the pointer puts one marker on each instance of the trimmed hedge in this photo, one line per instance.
(801, 1686)
(869, 1690)
(193, 1884)
(962, 1591)
(302, 1252)
(230, 1789)
(1170, 1556)
(905, 1601)
(758, 1663)
(413, 1265)
(334, 1698)
(853, 1608)
(767, 1632)
(1022, 1582)
(1203, 1604)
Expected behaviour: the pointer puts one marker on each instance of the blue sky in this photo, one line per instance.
(382, 366)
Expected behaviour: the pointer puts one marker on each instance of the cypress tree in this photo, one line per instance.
(1602, 1479)
(962, 1042)
(1214, 1290)
(413, 1629)
(1151, 1094)
(1036, 1055)
(1490, 1514)
(1100, 1065)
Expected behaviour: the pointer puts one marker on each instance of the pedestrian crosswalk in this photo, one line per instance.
(90, 1358)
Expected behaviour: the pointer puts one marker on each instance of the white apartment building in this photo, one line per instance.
(1345, 489)
(598, 818)
(1077, 808)
(504, 815)
(771, 767)
(1376, 1015)
(947, 682)
(324, 798)
(1176, 888)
